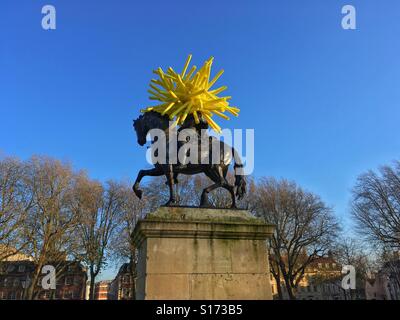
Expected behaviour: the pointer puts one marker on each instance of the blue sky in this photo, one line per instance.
(324, 102)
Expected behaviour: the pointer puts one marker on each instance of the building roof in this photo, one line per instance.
(323, 260)
(13, 254)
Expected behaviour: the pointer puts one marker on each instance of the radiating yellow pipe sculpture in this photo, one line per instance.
(185, 93)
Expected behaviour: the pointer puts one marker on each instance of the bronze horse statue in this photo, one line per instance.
(215, 171)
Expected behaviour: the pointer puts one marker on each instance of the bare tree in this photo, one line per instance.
(390, 263)
(376, 206)
(305, 229)
(14, 204)
(50, 222)
(157, 192)
(99, 209)
(349, 251)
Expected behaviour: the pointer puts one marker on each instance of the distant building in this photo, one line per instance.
(121, 286)
(15, 277)
(102, 289)
(321, 281)
(385, 284)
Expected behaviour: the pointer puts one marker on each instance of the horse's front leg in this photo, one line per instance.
(176, 187)
(157, 171)
(171, 176)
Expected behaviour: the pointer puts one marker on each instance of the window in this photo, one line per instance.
(125, 293)
(21, 268)
(68, 294)
(68, 281)
(16, 282)
(6, 282)
(2, 295)
(319, 265)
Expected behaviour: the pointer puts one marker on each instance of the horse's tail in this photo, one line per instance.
(240, 181)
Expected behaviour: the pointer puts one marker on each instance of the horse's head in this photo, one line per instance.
(146, 122)
(141, 131)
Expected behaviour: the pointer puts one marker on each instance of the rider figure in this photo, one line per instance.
(190, 123)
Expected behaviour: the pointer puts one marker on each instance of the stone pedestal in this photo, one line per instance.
(194, 253)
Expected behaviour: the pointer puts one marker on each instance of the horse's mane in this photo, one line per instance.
(153, 119)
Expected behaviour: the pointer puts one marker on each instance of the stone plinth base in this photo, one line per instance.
(195, 253)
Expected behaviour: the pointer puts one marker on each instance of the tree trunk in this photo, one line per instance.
(278, 286)
(344, 293)
(92, 284)
(30, 292)
(289, 289)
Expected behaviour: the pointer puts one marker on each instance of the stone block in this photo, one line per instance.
(197, 253)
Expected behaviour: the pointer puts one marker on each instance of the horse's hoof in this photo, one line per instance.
(138, 193)
(205, 204)
(171, 203)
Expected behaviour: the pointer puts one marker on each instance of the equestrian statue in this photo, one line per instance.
(189, 103)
